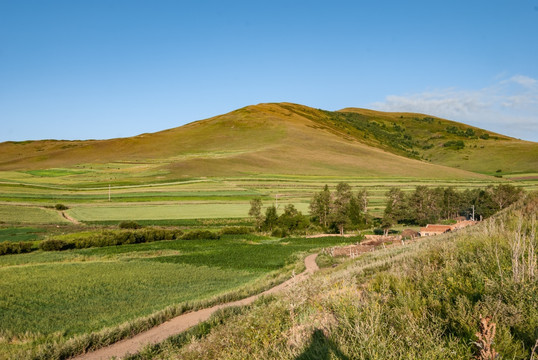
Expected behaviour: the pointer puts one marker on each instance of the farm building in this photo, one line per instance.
(434, 229)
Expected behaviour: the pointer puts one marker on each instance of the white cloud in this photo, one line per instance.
(522, 80)
(509, 107)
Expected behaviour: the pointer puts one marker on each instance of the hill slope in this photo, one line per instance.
(285, 139)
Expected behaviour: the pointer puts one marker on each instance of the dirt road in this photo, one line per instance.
(69, 218)
(187, 320)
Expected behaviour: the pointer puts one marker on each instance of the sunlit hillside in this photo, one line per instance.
(295, 140)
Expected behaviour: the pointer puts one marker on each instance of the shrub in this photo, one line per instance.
(278, 232)
(60, 207)
(378, 231)
(236, 230)
(129, 225)
(8, 247)
(200, 235)
(111, 238)
(454, 144)
(55, 245)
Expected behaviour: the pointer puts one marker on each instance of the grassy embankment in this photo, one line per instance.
(421, 301)
(56, 304)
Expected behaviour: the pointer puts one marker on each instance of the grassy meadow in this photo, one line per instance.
(55, 296)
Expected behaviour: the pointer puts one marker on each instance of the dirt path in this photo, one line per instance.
(183, 322)
(69, 218)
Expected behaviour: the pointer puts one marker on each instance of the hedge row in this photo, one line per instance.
(121, 237)
(236, 230)
(118, 237)
(8, 247)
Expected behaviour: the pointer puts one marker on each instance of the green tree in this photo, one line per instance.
(357, 208)
(424, 205)
(292, 220)
(320, 206)
(256, 212)
(397, 205)
(504, 195)
(362, 197)
(340, 209)
(271, 218)
(451, 203)
(386, 223)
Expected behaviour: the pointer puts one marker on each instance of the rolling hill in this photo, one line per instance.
(293, 139)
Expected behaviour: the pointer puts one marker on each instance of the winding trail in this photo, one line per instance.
(183, 322)
(69, 218)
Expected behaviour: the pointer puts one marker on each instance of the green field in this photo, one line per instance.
(17, 214)
(68, 293)
(16, 234)
(23, 199)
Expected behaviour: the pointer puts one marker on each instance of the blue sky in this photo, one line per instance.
(101, 69)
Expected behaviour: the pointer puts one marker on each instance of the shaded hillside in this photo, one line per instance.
(283, 139)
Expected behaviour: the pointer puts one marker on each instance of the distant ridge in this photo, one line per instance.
(285, 138)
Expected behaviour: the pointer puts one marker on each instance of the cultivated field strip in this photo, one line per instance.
(190, 198)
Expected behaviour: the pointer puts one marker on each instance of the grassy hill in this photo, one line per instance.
(295, 140)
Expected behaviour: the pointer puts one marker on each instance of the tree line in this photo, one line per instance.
(343, 209)
(430, 205)
(329, 211)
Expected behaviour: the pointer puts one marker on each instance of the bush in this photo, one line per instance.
(236, 230)
(8, 247)
(60, 207)
(378, 231)
(129, 225)
(281, 233)
(200, 235)
(454, 144)
(55, 245)
(110, 238)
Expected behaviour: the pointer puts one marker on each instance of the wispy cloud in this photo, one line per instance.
(510, 106)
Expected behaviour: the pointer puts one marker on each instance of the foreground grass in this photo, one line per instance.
(51, 297)
(422, 301)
